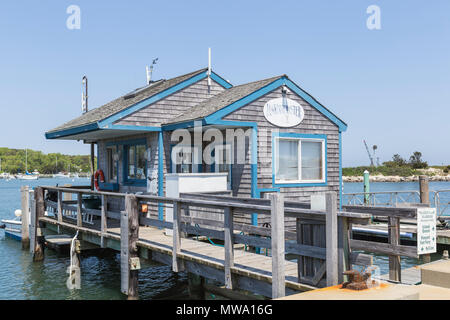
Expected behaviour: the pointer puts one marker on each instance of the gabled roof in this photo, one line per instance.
(125, 101)
(221, 100)
(215, 108)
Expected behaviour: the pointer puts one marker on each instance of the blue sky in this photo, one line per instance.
(391, 86)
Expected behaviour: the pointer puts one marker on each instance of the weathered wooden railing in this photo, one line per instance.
(393, 248)
(382, 198)
(333, 251)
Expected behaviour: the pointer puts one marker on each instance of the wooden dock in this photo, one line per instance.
(312, 255)
(407, 230)
(154, 244)
(137, 235)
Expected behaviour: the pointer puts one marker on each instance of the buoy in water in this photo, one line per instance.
(18, 213)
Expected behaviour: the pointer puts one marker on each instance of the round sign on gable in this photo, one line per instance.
(283, 112)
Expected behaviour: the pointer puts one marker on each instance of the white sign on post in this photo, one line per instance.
(426, 230)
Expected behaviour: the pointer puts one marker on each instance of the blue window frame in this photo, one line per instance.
(299, 160)
(134, 162)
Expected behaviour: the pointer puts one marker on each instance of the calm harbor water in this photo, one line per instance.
(20, 278)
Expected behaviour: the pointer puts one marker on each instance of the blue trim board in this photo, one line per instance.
(298, 136)
(224, 83)
(107, 123)
(308, 98)
(160, 174)
(72, 131)
(340, 171)
(134, 128)
(218, 115)
(161, 95)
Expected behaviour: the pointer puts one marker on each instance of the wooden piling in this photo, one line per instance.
(129, 231)
(195, 286)
(176, 248)
(331, 239)
(79, 212)
(25, 198)
(38, 237)
(424, 190)
(278, 246)
(228, 245)
(425, 199)
(92, 165)
(395, 269)
(74, 270)
(343, 248)
(103, 220)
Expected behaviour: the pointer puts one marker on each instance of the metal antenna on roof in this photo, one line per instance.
(150, 71)
(84, 95)
(209, 70)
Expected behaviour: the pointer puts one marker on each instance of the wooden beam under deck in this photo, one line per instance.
(251, 272)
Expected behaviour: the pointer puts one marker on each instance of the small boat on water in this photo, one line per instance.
(27, 175)
(13, 228)
(61, 175)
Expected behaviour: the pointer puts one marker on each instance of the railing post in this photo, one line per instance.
(176, 248)
(300, 264)
(344, 247)
(331, 238)
(129, 235)
(103, 220)
(38, 241)
(277, 234)
(79, 213)
(229, 248)
(366, 188)
(25, 195)
(60, 201)
(395, 270)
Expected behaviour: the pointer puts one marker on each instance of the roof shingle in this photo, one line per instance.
(221, 100)
(125, 101)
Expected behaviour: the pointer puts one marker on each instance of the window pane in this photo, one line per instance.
(140, 162)
(131, 162)
(112, 165)
(311, 160)
(287, 160)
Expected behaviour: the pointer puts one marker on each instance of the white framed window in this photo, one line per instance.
(299, 160)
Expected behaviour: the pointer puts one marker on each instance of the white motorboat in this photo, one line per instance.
(61, 175)
(13, 228)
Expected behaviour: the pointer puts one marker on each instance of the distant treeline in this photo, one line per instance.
(13, 161)
(396, 167)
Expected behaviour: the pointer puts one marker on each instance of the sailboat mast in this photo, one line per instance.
(26, 160)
